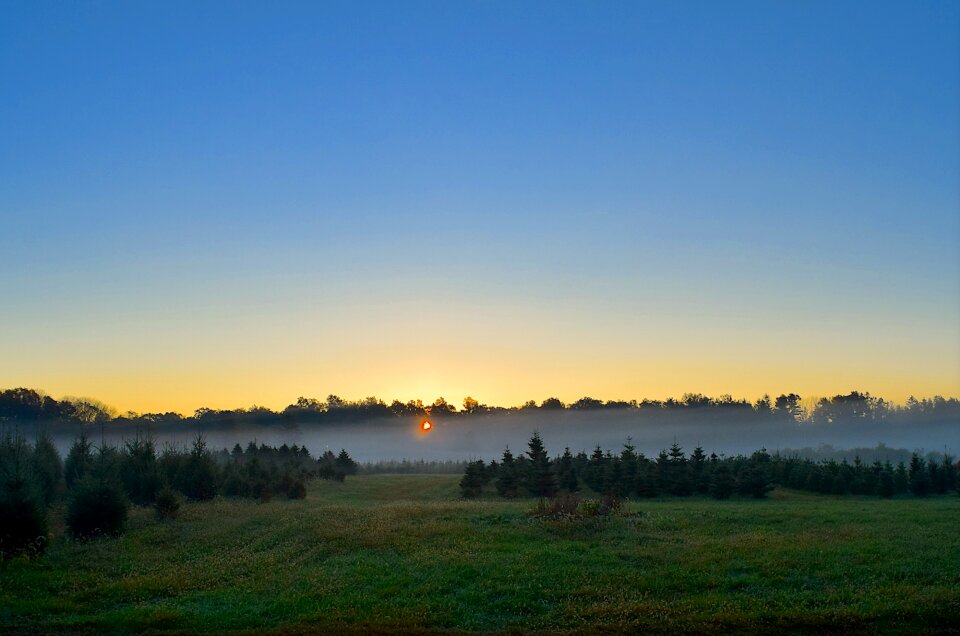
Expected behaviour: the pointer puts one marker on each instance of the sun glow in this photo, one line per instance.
(425, 426)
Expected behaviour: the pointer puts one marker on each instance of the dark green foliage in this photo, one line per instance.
(540, 479)
(139, 471)
(632, 474)
(79, 460)
(920, 484)
(345, 463)
(23, 509)
(901, 481)
(473, 478)
(166, 504)
(96, 507)
(593, 471)
(197, 477)
(677, 479)
(698, 470)
(722, 485)
(885, 484)
(567, 473)
(297, 490)
(47, 468)
(24, 519)
(508, 478)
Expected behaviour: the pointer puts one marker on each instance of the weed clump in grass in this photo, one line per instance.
(568, 514)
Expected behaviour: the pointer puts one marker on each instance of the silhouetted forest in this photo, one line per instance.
(629, 473)
(29, 405)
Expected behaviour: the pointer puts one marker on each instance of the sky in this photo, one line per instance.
(226, 204)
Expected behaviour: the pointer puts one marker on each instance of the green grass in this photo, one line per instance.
(393, 553)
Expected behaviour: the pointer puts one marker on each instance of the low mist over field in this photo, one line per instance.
(372, 430)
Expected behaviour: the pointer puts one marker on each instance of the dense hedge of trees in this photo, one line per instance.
(28, 405)
(99, 483)
(674, 473)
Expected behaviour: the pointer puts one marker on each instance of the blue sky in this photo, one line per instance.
(188, 186)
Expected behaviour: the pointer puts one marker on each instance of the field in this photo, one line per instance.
(391, 553)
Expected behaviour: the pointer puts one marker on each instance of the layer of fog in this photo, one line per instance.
(486, 436)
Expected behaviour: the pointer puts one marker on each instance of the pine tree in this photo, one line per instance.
(753, 481)
(647, 480)
(679, 472)
(566, 473)
(885, 484)
(901, 481)
(345, 463)
(540, 478)
(47, 467)
(79, 460)
(919, 477)
(698, 470)
(721, 484)
(472, 482)
(593, 474)
(508, 481)
(629, 464)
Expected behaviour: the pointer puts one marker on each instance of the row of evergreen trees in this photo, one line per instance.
(674, 473)
(99, 483)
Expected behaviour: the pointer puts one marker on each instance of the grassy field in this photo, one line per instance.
(391, 553)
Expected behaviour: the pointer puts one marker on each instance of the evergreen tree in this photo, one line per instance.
(612, 476)
(79, 460)
(919, 477)
(629, 465)
(753, 481)
(345, 463)
(472, 482)
(566, 473)
(678, 472)
(139, 471)
(647, 482)
(698, 469)
(508, 481)
(593, 474)
(885, 484)
(197, 477)
(721, 484)
(47, 468)
(901, 481)
(540, 478)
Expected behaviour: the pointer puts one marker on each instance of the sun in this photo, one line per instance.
(425, 426)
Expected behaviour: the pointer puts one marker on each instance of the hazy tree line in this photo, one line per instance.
(672, 472)
(98, 483)
(28, 405)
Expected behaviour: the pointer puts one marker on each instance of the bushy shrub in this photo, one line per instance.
(166, 504)
(96, 507)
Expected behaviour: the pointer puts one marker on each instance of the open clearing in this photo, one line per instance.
(388, 553)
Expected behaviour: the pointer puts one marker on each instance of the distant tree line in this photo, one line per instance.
(28, 405)
(98, 483)
(674, 473)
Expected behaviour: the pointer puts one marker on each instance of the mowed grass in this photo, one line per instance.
(391, 553)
